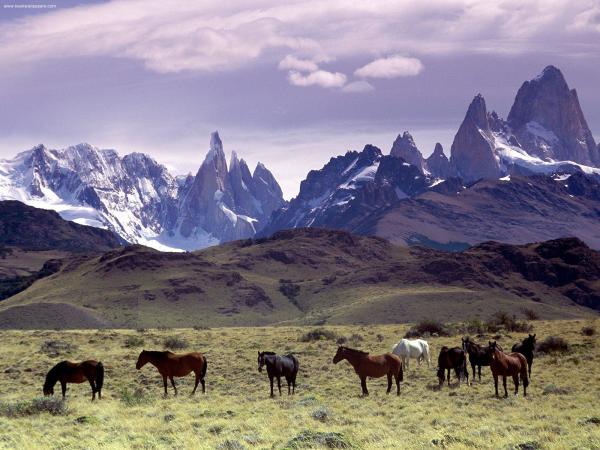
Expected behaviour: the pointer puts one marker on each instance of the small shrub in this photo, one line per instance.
(553, 389)
(321, 414)
(588, 331)
(428, 326)
(141, 330)
(341, 340)
(200, 328)
(312, 439)
(289, 289)
(57, 348)
(530, 314)
(175, 343)
(474, 326)
(530, 445)
(380, 337)
(231, 445)
(318, 334)
(133, 398)
(502, 319)
(52, 405)
(134, 341)
(595, 420)
(553, 344)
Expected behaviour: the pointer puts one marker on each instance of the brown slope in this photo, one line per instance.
(317, 276)
(524, 209)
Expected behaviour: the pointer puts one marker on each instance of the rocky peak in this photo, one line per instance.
(473, 147)
(438, 163)
(548, 121)
(404, 147)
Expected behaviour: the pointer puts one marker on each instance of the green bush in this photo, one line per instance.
(134, 341)
(133, 398)
(52, 405)
(315, 439)
(588, 331)
(428, 327)
(318, 334)
(553, 344)
(175, 343)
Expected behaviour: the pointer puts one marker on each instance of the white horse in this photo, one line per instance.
(412, 348)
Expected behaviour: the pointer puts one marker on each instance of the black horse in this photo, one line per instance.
(478, 355)
(278, 366)
(526, 348)
(452, 358)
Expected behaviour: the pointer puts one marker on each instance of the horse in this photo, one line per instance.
(366, 365)
(70, 372)
(452, 358)
(278, 366)
(526, 348)
(171, 365)
(478, 355)
(415, 348)
(505, 365)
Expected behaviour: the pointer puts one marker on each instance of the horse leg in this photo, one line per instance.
(294, 385)
(165, 384)
(196, 382)
(405, 361)
(479, 370)
(389, 388)
(289, 385)
(504, 384)
(363, 385)
(529, 364)
(473, 368)
(397, 379)
(448, 377)
(271, 381)
(496, 384)
(516, 381)
(63, 386)
(279, 384)
(173, 384)
(93, 388)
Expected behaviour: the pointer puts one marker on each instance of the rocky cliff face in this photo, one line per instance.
(404, 147)
(438, 163)
(473, 146)
(548, 121)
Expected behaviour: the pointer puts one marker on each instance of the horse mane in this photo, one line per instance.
(158, 353)
(353, 350)
(268, 353)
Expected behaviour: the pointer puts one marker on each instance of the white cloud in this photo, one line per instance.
(391, 67)
(320, 78)
(180, 35)
(290, 62)
(358, 86)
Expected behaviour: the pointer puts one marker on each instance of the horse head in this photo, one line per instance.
(142, 360)
(530, 340)
(441, 375)
(492, 347)
(261, 361)
(465, 343)
(48, 389)
(340, 354)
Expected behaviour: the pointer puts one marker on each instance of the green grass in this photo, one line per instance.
(562, 409)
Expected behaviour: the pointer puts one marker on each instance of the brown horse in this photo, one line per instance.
(70, 372)
(170, 365)
(366, 365)
(504, 365)
(452, 358)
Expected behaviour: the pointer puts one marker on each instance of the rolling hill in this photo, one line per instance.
(309, 276)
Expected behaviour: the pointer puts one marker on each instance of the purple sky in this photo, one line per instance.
(286, 83)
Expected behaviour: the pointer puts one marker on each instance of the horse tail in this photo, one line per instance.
(99, 376)
(204, 367)
(524, 377)
(401, 372)
(296, 364)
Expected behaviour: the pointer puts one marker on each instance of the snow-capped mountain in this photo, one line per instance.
(348, 188)
(546, 134)
(139, 199)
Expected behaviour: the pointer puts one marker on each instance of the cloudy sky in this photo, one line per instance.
(286, 83)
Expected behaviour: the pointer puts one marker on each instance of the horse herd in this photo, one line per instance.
(169, 365)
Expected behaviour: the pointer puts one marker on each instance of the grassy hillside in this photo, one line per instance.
(561, 410)
(309, 276)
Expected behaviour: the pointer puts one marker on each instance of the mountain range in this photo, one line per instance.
(139, 200)
(533, 176)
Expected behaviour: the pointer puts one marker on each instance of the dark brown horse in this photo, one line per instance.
(452, 358)
(366, 365)
(526, 349)
(170, 365)
(70, 372)
(478, 355)
(513, 364)
(280, 366)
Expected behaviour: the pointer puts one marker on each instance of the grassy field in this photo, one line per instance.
(562, 409)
